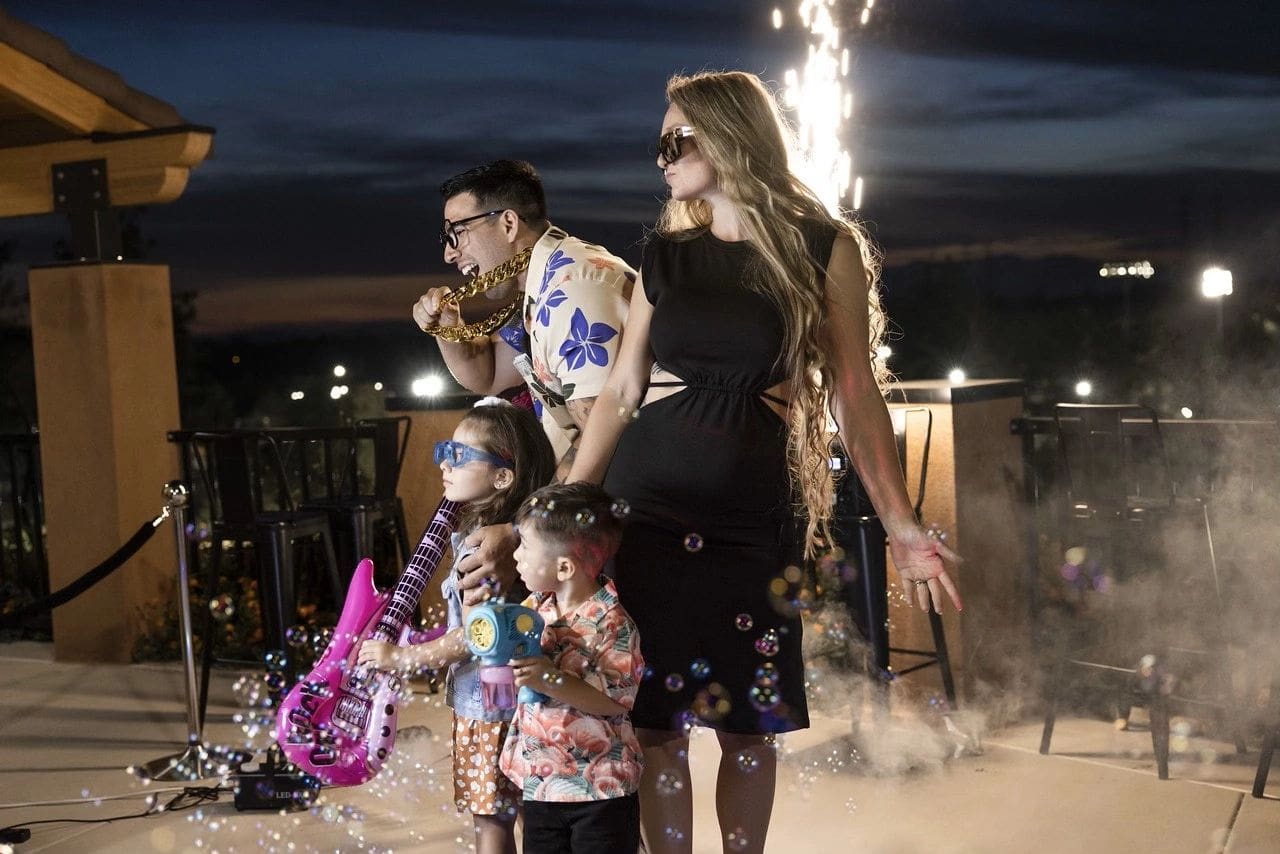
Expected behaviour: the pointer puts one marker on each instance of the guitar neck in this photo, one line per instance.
(418, 571)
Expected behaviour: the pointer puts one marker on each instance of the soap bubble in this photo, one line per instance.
(764, 698)
(670, 783)
(767, 644)
(222, 608)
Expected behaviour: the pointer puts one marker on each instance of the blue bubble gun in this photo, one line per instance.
(497, 632)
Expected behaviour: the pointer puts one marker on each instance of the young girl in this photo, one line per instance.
(498, 455)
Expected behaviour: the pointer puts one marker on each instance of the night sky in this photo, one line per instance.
(1102, 129)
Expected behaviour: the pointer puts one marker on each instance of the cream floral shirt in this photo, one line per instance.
(575, 302)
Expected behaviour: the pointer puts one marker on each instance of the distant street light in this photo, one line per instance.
(956, 376)
(339, 371)
(1215, 284)
(428, 386)
(884, 351)
(1186, 412)
(297, 395)
(1084, 388)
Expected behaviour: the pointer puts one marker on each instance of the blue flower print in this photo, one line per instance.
(514, 334)
(557, 260)
(553, 299)
(585, 340)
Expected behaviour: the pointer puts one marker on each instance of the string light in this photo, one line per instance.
(1142, 269)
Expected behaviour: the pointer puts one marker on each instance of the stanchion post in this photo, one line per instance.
(195, 762)
(178, 497)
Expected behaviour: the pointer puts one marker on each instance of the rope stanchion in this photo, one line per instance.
(117, 559)
(197, 761)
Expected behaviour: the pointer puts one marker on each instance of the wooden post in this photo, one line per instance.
(107, 390)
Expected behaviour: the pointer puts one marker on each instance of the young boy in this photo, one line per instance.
(575, 755)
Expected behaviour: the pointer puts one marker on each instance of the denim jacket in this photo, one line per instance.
(462, 685)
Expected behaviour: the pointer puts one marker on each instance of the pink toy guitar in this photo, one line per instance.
(339, 723)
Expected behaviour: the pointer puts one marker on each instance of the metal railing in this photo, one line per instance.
(23, 567)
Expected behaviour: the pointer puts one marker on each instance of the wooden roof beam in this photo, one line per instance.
(66, 104)
(142, 168)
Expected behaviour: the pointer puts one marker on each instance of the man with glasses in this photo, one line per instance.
(566, 310)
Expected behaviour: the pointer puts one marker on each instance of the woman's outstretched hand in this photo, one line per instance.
(918, 556)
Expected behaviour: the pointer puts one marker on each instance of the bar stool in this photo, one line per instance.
(231, 467)
(1264, 755)
(361, 516)
(1119, 500)
(856, 525)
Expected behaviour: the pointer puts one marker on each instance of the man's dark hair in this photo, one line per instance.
(577, 518)
(502, 184)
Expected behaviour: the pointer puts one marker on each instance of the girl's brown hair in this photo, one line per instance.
(513, 433)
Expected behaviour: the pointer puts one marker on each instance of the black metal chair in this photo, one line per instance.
(1120, 501)
(236, 471)
(360, 507)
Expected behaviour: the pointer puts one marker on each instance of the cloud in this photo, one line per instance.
(1234, 38)
(1046, 127)
(297, 301)
(942, 212)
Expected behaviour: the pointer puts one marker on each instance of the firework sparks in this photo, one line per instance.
(823, 103)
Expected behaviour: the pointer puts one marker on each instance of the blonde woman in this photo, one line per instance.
(758, 311)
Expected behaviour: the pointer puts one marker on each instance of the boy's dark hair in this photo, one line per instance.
(513, 433)
(502, 184)
(577, 518)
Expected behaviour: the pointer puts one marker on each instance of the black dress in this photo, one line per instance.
(712, 524)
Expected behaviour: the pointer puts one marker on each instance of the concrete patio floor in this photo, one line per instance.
(67, 732)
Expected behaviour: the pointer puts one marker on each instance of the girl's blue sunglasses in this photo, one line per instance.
(458, 454)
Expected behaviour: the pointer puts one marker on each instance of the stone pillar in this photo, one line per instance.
(107, 390)
(974, 491)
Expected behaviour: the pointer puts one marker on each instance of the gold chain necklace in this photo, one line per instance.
(478, 285)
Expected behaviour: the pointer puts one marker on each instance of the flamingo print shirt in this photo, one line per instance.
(555, 752)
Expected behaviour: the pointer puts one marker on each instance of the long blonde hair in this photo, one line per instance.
(744, 137)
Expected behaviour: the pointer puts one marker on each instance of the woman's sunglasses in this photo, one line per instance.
(458, 454)
(669, 143)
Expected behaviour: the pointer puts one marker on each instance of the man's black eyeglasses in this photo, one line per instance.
(449, 233)
(669, 143)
